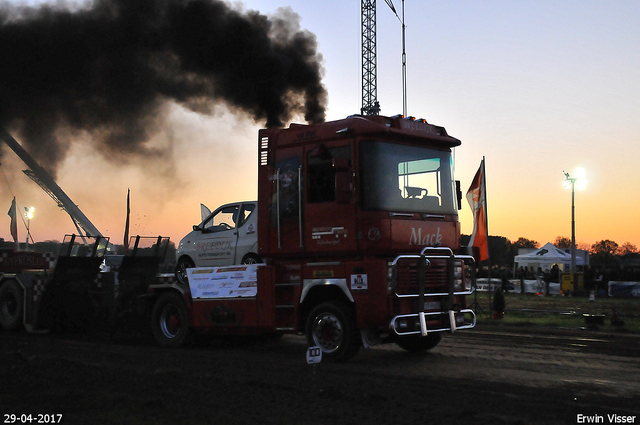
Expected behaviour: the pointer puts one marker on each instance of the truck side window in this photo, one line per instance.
(320, 172)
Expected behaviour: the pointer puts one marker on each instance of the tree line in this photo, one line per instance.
(604, 254)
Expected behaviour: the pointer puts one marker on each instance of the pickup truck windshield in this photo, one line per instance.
(406, 178)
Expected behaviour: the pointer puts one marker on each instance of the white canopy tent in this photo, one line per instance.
(545, 257)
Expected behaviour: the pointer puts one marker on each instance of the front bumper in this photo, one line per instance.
(417, 324)
(439, 276)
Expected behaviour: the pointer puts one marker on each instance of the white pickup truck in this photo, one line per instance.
(227, 236)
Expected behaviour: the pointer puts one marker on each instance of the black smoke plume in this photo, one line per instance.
(109, 68)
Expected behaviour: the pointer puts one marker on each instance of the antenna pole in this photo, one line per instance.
(404, 65)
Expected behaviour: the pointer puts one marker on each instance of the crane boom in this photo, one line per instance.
(46, 182)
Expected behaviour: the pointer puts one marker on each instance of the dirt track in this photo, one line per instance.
(483, 376)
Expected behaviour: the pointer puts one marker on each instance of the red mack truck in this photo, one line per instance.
(358, 244)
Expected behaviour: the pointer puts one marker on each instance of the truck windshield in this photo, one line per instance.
(406, 178)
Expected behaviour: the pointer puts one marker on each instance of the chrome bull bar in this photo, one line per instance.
(424, 264)
(396, 326)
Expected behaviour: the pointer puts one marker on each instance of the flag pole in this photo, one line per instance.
(486, 226)
(126, 226)
(476, 195)
(486, 207)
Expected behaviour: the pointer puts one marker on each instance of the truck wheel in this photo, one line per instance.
(11, 305)
(170, 320)
(419, 344)
(331, 328)
(181, 269)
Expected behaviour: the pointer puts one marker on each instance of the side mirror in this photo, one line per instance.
(458, 195)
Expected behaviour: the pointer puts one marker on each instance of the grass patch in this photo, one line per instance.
(560, 311)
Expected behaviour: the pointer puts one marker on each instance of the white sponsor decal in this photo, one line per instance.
(319, 232)
(223, 282)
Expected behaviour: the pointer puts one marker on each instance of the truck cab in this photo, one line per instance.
(360, 218)
(364, 187)
(228, 235)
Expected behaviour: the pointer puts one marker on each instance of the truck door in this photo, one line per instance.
(330, 211)
(285, 205)
(216, 244)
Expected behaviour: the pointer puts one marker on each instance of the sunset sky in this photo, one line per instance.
(537, 88)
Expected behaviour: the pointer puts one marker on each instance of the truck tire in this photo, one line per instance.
(419, 344)
(11, 305)
(181, 269)
(170, 320)
(331, 327)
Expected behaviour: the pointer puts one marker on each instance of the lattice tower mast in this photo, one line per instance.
(370, 105)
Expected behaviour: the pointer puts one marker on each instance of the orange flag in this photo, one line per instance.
(477, 197)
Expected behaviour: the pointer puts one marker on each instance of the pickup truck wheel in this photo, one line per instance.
(11, 305)
(251, 259)
(170, 320)
(419, 344)
(331, 328)
(181, 269)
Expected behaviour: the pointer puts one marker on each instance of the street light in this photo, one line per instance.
(579, 182)
(28, 213)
